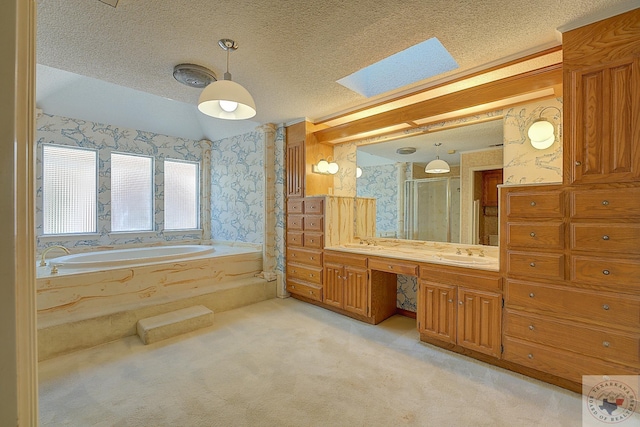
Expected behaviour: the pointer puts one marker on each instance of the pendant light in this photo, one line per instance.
(437, 165)
(226, 99)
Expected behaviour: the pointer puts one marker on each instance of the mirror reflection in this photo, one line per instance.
(458, 206)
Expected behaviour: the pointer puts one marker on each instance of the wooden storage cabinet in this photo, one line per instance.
(457, 314)
(347, 283)
(304, 248)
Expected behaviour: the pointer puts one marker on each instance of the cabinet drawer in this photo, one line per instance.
(457, 276)
(602, 343)
(295, 238)
(346, 259)
(558, 362)
(313, 206)
(304, 289)
(619, 274)
(622, 312)
(548, 266)
(549, 235)
(294, 206)
(295, 222)
(304, 256)
(307, 273)
(623, 238)
(535, 204)
(313, 223)
(393, 266)
(609, 203)
(313, 240)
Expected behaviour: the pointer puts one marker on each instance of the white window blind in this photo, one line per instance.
(69, 190)
(181, 195)
(131, 192)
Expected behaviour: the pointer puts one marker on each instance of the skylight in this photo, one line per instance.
(421, 61)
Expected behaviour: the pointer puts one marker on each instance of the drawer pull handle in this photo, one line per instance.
(531, 295)
(391, 267)
(311, 258)
(605, 237)
(532, 264)
(530, 356)
(311, 292)
(292, 287)
(310, 274)
(532, 234)
(578, 163)
(531, 327)
(533, 203)
(606, 272)
(605, 203)
(449, 300)
(605, 307)
(311, 240)
(605, 344)
(312, 224)
(460, 302)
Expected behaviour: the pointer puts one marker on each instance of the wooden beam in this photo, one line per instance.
(489, 92)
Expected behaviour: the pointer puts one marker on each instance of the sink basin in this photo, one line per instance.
(463, 259)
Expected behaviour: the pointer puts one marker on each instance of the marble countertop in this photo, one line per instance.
(429, 252)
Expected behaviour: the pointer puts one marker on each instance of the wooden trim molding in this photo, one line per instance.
(548, 77)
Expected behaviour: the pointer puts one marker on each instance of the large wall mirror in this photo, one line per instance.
(459, 206)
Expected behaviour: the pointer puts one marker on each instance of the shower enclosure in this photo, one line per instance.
(432, 209)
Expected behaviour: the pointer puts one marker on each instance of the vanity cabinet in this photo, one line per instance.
(460, 307)
(572, 304)
(601, 76)
(346, 284)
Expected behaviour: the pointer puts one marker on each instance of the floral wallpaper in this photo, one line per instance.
(237, 188)
(524, 164)
(381, 183)
(106, 138)
(407, 290)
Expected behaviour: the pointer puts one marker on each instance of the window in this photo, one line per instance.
(69, 191)
(181, 195)
(131, 192)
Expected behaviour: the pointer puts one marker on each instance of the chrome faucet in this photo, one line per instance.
(458, 251)
(469, 252)
(43, 261)
(481, 252)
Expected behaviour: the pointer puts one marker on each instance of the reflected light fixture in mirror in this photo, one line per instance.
(226, 99)
(326, 167)
(542, 132)
(437, 165)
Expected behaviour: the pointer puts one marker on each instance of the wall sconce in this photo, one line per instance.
(542, 131)
(358, 172)
(325, 167)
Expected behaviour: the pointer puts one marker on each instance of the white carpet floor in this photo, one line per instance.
(288, 363)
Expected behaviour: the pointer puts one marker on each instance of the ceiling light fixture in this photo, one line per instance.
(437, 165)
(406, 150)
(542, 131)
(225, 99)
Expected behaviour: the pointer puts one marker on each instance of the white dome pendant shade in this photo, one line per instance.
(437, 165)
(542, 134)
(226, 99)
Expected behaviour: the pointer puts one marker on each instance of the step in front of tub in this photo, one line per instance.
(173, 323)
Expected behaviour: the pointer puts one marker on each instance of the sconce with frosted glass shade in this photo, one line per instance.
(358, 172)
(542, 132)
(438, 165)
(325, 167)
(226, 99)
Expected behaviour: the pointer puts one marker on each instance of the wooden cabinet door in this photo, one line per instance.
(356, 286)
(295, 168)
(479, 321)
(437, 311)
(333, 285)
(604, 113)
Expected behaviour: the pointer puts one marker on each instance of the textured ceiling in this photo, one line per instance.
(291, 52)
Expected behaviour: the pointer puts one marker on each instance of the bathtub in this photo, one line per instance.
(131, 256)
(96, 297)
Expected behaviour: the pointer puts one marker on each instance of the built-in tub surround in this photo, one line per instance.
(106, 302)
